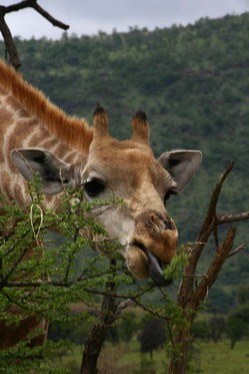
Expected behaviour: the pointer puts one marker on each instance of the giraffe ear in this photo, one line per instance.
(54, 173)
(181, 165)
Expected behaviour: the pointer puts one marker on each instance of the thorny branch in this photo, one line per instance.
(11, 50)
(237, 250)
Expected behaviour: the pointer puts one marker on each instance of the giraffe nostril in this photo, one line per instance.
(168, 225)
(159, 221)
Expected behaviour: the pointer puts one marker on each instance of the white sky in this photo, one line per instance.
(87, 17)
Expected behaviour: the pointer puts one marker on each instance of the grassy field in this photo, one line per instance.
(207, 358)
(220, 359)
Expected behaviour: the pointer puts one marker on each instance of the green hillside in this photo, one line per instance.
(193, 83)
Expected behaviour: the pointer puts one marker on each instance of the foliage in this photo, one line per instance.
(46, 281)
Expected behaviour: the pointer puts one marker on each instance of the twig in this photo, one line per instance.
(237, 250)
(48, 17)
(123, 305)
(33, 4)
(231, 218)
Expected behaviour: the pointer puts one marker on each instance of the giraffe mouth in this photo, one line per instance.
(155, 266)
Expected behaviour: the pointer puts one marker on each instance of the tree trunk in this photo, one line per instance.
(92, 349)
(178, 363)
(98, 333)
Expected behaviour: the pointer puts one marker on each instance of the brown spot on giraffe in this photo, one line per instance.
(90, 157)
(14, 332)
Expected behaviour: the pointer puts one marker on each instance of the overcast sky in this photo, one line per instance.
(87, 17)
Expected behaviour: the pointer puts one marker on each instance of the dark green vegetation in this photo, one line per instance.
(193, 83)
(48, 282)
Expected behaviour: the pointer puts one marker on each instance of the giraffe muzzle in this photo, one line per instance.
(153, 247)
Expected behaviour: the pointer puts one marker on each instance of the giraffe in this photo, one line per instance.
(66, 152)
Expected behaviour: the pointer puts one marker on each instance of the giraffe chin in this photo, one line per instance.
(143, 264)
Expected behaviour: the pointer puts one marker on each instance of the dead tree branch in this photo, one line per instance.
(209, 226)
(237, 250)
(9, 43)
(200, 293)
(192, 294)
(232, 218)
(11, 50)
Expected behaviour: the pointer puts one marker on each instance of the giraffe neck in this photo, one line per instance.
(73, 131)
(29, 120)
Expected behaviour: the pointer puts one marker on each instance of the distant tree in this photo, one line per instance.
(216, 326)
(237, 324)
(152, 336)
(243, 295)
(220, 301)
(200, 330)
(128, 326)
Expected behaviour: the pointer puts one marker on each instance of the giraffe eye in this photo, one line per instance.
(94, 187)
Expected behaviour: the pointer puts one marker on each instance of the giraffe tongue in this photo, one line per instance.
(155, 270)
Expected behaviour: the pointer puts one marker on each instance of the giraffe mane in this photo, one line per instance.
(74, 131)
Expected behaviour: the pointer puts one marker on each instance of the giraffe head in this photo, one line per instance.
(128, 170)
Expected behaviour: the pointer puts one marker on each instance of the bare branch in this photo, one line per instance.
(209, 226)
(48, 17)
(33, 4)
(9, 43)
(237, 250)
(231, 218)
(16, 7)
(123, 305)
(213, 202)
(220, 256)
(6, 33)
